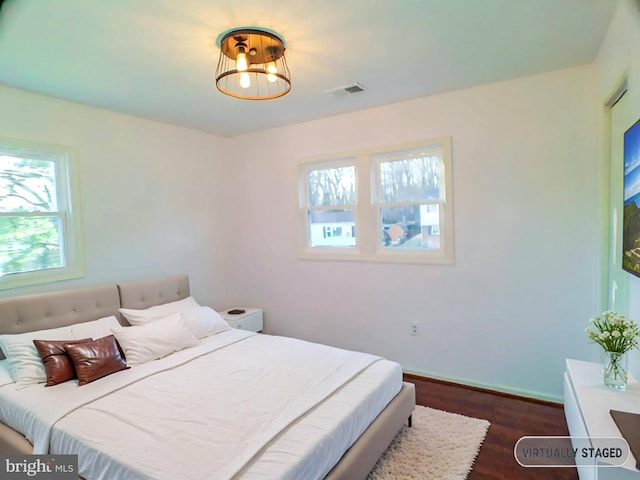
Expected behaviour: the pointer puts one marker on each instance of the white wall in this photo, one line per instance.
(150, 192)
(527, 272)
(619, 57)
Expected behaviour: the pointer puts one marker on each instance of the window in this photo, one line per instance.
(39, 234)
(391, 204)
(331, 194)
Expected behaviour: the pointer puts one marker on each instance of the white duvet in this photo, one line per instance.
(215, 411)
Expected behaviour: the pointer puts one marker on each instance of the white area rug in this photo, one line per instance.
(439, 446)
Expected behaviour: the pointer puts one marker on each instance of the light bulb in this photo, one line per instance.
(245, 81)
(241, 62)
(271, 68)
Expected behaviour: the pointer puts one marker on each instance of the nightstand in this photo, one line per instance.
(250, 320)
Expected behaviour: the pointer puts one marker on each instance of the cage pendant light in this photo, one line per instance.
(252, 64)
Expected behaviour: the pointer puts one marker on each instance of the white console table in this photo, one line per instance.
(586, 405)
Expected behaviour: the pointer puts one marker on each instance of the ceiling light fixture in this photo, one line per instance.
(252, 64)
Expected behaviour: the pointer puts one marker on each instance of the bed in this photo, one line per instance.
(315, 427)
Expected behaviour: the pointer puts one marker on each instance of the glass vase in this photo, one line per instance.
(615, 370)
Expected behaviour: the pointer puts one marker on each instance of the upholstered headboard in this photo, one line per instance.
(49, 310)
(147, 293)
(57, 309)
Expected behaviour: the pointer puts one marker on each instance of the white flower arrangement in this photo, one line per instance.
(613, 332)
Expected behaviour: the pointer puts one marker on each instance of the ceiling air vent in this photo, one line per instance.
(345, 90)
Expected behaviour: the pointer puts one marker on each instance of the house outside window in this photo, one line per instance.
(332, 228)
(389, 204)
(39, 231)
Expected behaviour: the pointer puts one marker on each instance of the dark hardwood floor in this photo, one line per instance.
(511, 418)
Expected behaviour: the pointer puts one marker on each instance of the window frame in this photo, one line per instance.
(369, 245)
(68, 213)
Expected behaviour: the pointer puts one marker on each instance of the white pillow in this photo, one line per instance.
(25, 362)
(5, 373)
(141, 317)
(204, 321)
(154, 340)
(94, 329)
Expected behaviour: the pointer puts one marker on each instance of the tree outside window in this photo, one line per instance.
(38, 236)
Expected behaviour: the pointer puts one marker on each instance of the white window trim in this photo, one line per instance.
(369, 246)
(68, 211)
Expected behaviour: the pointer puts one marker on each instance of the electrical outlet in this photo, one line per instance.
(415, 331)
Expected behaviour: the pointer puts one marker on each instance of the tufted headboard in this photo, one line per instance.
(146, 293)
(57, 309)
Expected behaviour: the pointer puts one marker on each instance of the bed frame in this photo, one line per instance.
(50, 310)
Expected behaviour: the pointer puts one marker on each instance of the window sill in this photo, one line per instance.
(16, 280)
(428, 258)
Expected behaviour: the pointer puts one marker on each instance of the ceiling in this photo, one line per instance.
(156, 58)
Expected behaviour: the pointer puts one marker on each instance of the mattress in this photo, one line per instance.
(304, 443)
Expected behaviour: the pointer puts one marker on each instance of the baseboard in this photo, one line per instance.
(497, 389)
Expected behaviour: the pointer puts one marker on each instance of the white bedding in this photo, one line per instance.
(258, 411)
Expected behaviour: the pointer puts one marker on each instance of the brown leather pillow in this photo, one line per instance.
(57, 364)
(95, 359)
